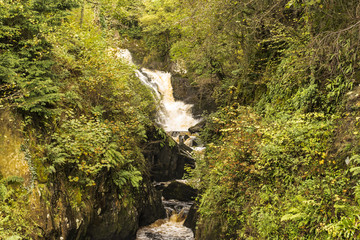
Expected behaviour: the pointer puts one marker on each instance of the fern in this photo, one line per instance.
(113, 156)
(14, 180)
(355, 160)
(131, 176)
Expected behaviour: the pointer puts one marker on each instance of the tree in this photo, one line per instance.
(27, 81)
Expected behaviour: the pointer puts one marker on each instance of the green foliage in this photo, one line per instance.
(15, 222)
(104, 109)
(103, 81)
(293, 143)
(86, 147)
(227, 169)
(128, 14)
(160, 28)
(131, 176)
(279, 54)
(277, 177)
(274, 179)
(27, 82)
(85, 112)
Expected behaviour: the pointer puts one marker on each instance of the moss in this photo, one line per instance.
(42, 173)
(12, 161)
(15, 210)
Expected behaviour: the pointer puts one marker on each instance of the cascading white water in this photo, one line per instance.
(172, 115)
(150, 84)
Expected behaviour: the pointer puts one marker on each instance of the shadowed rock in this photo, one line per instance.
(198, 127)
(179, 191)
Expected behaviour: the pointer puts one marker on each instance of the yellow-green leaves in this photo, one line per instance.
(86, 147)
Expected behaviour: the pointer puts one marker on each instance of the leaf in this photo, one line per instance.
(14, 237)
(290, 217)
(3, 191)
(14, 179)
(355, 170)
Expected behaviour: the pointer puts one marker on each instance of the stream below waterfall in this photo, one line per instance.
(170, 228)
(174, 117)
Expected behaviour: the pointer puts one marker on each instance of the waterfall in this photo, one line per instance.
(171, 115)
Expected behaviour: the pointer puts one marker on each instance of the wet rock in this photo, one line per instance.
(185, 150)
(160, 186)
(114, 223)
(184, 91)
(117, 220)
(192, 217)
(102, 216)
(179, 191)
(180, 136)
(198, 127)
(167, 161)
(152, 207)
(174, 206)
(158, 236)
(186, 137)
(193, 141)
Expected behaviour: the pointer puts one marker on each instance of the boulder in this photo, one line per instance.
(167, 159)
(183, 90)
(192, 217)
(193, 141)
(168, 163)
(198, 127)
(179, 191)
(150, 207)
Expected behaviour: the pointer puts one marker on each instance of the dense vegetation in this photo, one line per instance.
(282, 158)
(282, 154)
(82, 112)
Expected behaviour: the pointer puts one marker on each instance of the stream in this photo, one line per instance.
(174, 117)
(170, 228)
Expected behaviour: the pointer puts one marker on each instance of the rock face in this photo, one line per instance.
(198, 127)
(103, 215)
(167, 159)
(192, 217)
(179, 191)
(201, 98)
(167, 163)
(121, 220)
(70, 212)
